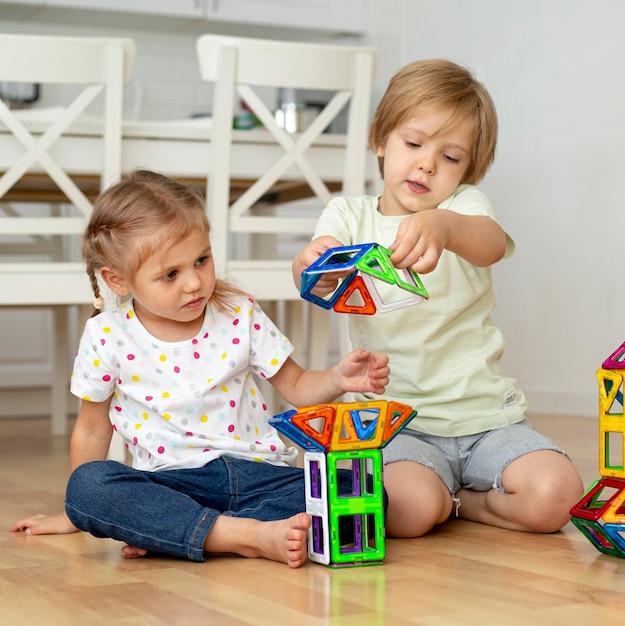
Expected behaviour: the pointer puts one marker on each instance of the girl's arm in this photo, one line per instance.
(92, 433)
(360, 371)
(89, 442)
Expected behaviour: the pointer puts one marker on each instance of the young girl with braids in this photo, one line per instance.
(170, 370)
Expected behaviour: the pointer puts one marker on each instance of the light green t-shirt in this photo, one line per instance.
(444, 353)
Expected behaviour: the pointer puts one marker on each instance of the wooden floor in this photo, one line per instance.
(463, 574)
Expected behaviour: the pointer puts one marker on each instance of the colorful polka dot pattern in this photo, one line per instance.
(184, 404)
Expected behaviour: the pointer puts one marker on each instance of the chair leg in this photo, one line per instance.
(295, 321)
(289, 317)
(319, 338)
(345, 345)
(60, 362)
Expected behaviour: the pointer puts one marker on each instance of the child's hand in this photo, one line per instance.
(316, 248)
(364, 372)
(420, 241)
(58, 524)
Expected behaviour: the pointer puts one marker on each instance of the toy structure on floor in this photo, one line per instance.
(347, 528)
(600, 514)
(360, 267)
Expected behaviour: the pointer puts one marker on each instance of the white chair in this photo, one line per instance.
(252, 70)
(89, 70)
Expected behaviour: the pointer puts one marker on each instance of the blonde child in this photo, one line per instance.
(470, 449)
(170, 370)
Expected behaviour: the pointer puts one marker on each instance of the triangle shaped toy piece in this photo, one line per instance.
(357, 284)
(283, 422)
(610, 391)
(322, 435)
(365, 430)
(376, 263)
(397, 416)
(309, 282)
(407, 278)
(615, 533)
(347, 432)
(615, 513)
(616, 361)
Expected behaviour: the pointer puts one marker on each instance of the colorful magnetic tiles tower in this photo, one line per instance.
(365, 263)
(340, 434)
(600, 514)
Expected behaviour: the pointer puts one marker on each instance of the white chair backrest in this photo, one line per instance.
(241, 68)
(35, 146)
(99, 66)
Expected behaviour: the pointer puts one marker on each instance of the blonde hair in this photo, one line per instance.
(139, 216)
(443, 84)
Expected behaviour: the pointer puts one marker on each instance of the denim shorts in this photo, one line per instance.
(470, 462)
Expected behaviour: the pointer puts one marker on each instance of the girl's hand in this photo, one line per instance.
(363, 371)
(58, 524)
(420, 241)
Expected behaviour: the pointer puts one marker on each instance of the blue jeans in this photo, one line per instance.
(172, 512)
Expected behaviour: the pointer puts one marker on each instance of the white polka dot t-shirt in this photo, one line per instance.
(183, 404)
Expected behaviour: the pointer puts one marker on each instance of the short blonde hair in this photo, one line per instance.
(442, 84)
(140, 216)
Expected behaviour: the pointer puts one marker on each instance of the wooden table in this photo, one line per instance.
(180, 148)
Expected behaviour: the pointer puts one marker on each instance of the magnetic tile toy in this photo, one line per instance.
(347, 528)
(600, 513)
(359, 269)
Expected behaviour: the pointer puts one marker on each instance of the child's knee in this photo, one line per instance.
(551, 498)
(81, 478)
(86, 482)
(416, 515)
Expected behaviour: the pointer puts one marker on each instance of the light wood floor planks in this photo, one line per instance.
(463, 574)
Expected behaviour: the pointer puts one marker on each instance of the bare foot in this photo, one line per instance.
(281, 540)
(131, 552)
(285, 540)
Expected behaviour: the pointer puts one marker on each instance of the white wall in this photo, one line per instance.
(165, 82)
(555, 70)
